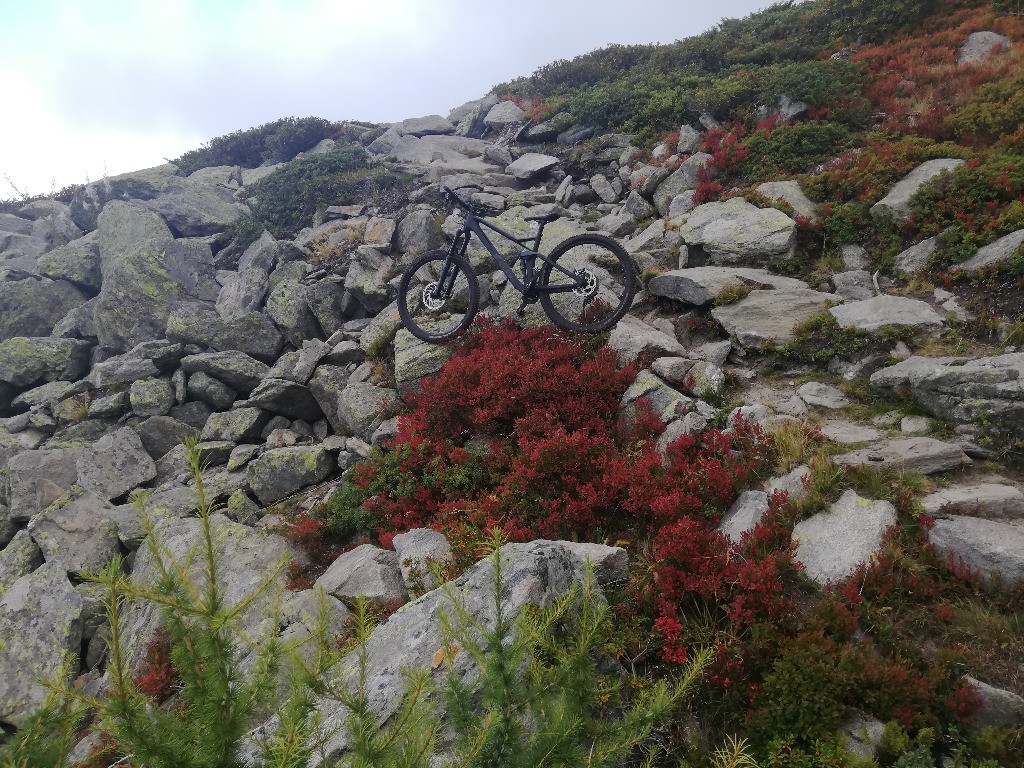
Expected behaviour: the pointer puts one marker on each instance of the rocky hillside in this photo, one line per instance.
(800, 449)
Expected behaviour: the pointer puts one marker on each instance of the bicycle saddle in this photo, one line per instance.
(546, 218)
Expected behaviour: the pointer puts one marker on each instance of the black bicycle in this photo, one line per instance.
(586, 283)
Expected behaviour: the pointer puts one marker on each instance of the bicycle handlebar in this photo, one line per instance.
(476, 209)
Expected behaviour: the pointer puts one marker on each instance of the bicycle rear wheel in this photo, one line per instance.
(599, 290)
(436, 305)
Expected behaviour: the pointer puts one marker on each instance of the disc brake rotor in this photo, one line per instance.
(589, 287)
(429, 299)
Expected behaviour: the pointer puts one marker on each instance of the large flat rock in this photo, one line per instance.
(989, 546)
(735, 231)
(700, 285)
(991, 500)
(765, 317)
(833, 543)
(918, 454)
(883, 311)
(896, 204)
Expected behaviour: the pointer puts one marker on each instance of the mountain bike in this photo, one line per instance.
(586, 283)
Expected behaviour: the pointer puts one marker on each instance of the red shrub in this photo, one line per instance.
(157, 676)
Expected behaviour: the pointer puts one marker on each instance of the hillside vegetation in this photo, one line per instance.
(774, 517)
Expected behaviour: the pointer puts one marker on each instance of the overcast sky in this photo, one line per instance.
(94, 87)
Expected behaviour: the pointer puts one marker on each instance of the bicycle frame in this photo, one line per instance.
(473, 226)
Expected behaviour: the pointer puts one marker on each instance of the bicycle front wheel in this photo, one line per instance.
(435, 302)
(589, 283)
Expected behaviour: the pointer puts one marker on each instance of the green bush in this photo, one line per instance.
(869, 20)
(286, 200)
(793, 148)
(277, 141)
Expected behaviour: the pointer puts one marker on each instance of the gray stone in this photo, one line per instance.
(417, 233)
(681, 204)
(424, 126)
(37, 478)
(854, 257)
(603, 188)
(49, 394)
(665, 402)
(193, 413)
(244, 558)
(27, 361)
(855, 285)
(689, 140)
(287, 398)
(33, 306)
(151, 397)
(832, 544)
(915, 425)
(764, 317)
(209, 390)
(368, 281)
(282, 471)
(700, 285)
(236, 369)
(994, 254)
(531, 165)
(213, 453)
(19, 557)
(916, 257)
(415, 359)
(287, 305)
(1000, 708)
(41, 623)
(145, 184)
(503, 114)
(899, 375)
(896, 204)
(631, 338)
(253, 334)
(159, 434)
(980, 45)
(882, 311)
(694, 377)
(343, 353)
(619, 224)
(822, 395)
(989, 546)
(360, 409)
(79, 534)
(121, 370)
(242, 425)
(146, 274)
(610, 564)
(368, 572)
(714, 352)
(78, 262)
(863, 734)
(647, 178)
(735, 231)
(192, 208)
(242, 455)
(115, 464)
(917, 454)
(417, 550)
(637, 207)
(793, 483)
(792, 193)
(848, 432)
(243, 293)
(745, 513)
(677, 182)
(989, 500)
(535, 574)
(991, 388)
